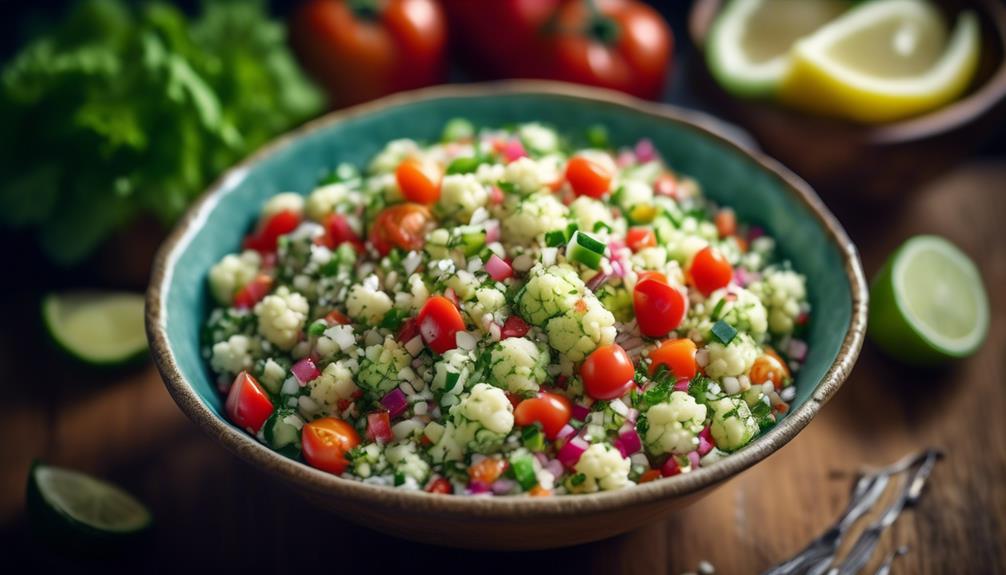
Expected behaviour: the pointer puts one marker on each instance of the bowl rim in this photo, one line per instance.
(316, 481)
(966, 109)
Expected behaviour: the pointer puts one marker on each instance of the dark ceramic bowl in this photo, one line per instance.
(760, 189)
(869, 164)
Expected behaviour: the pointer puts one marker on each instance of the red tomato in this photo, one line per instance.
(501, 38)
(379, 427)
(419, 181)
(247, 404)
(710, 271)
(514, 326)
(253, 292)
(336, 317)
(649, 475)
(401, 226)
(359, 51)
(588, 178)
(666, 185)
(551, 410)
(439, 322)
(325, 442)
(607, 372)
(769, 367)
(409, 330)
(679, 357)
(639, 238)
(266, 237)
(726, 222)
(441, 486)
(487, 470)
(659, 307)
(338, 232)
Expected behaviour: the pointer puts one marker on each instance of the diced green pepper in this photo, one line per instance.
(523, 472)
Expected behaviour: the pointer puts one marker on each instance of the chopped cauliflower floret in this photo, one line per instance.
(367, 304)
(233, 355)
(406, 461)
(525, 176)
(588, 212)
(549, 292)
(519, 365)
(488, 300)
(733, 359)
(386, 161)
(460, 195)
(273, 374)
(285, 202)
(742, 310)
(733, 425)
(322, 201)
(334, 384)
(538, 138)
(602, 468)
(450, 374)
(527, 218)
(782, 292)
(488, 406)
(582, 329)
(634, 193)
(382, 362)
(231, 274)
(479, 423)
(674, 425)
(281, 317)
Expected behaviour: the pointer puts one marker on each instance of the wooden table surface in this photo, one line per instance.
(214, 509)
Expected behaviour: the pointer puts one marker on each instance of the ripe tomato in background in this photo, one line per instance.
(358, 50)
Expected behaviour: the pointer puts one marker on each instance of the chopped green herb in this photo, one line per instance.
(317, 328)
(597, 136)
(465, 165)
(393, 318)
(718, 309)
(533, 438)
(577, 479)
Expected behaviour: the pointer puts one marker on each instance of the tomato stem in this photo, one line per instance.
(600, 27)
(365, 9)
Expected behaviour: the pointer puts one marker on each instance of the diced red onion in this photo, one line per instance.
(503, 486)
(570, 453)
(632, 415)
(498, 269)
(305, 371)
(755, 232)
(797, 349)
(514, 150)
(706, 442)
(580, 412)
(670, 467)
(625, 158)
(554, 467)
(492, 231)
(645, 152)
(596, 281)
(629, 439)
(495, 195)
(682, 385)
(478, 487)
(693, 458)
(395, 402)
(541, 457)
(450, 294)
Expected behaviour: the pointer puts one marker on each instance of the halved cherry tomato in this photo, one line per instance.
(336, 317)
(679, 357)
(587, 177)
(325, 443)
(608, 372)
(409, 330)
(265, 239)
(769, 367)
(514, 326)
(649, 475)
(441, 486)
(253, 292)
(551, 410)
(439, 322)
(639, 238)
(487, 470)
(666, 185)
(646, 275)
(539, 491)
(379, 427)
(710, 271)
(659, 307)
(338, 232)
(247, 404)
(419, 181)
(401, 226)
(726, 222)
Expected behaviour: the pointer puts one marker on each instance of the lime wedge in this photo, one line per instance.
(748, 47)
(95, 327)
(883, 61)
(70, 503)
(928, 303)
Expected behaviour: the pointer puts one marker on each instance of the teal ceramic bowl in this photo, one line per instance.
(761, 191)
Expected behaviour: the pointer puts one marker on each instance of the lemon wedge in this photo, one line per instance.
(883, 61)
(748, 47)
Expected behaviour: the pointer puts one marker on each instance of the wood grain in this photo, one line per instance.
(213, 511)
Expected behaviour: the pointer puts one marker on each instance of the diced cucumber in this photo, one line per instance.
(97, 328)
(584, 249)
(282, 429)
(523, 472)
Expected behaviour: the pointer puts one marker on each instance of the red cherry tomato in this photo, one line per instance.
(265, 239)
(726, 222)
(418, 181)
(769, 368)
(441, 486)
(679, 357)
(514, 326)
(247, 404)
(608, 372)
(379, 427)
(253, 292)
(551, 410)
(487, 470)
(439, 322)
(639, 238)
(401, 226)
(710, 271)
(659, 307)
(338, 232)
(588, 178)
(666, 185)
(336, 317)
(325, 442)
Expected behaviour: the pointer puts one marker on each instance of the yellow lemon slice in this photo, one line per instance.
(748, 47)
(883, 61)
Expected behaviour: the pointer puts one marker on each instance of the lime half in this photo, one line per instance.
(928, 303)
(70, 503)
(98, 328)
(748, 50)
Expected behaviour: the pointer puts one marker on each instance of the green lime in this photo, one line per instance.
(69, 504)
(98, 328)
(928, 304)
